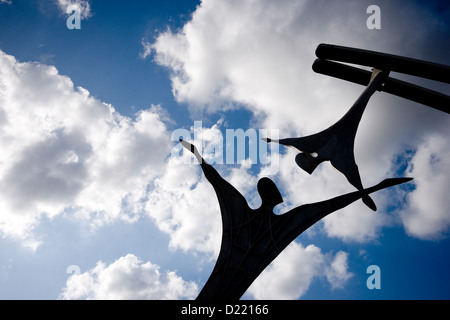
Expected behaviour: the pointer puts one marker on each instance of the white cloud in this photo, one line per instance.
(83, 6)
(184, 206)
(6, 1)
(128, 278)
(219, 56)
(337, 273)
(64, 151)
(147, 46)
(259, 55)
(289, 276)
(427, 215)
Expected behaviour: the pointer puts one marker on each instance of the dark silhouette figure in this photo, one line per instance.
(251, 239)
(337, 142)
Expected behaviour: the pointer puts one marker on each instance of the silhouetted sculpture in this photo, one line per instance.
(251, 239)
(336, 143)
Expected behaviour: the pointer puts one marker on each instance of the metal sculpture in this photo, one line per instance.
(252, 238)
(336, 143)
(326, 64)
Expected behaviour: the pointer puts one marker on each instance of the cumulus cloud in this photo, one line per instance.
(82, 6)
(64, 151)
(289, 276)
(183, 205)
(337, 272)
(128, 278)
(427, 214)
(258, 55)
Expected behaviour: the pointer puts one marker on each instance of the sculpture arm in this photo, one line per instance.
(301, 218)
(192, 148)
(232, 202)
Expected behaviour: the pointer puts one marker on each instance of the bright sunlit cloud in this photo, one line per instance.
(128, 278)
(63, 149)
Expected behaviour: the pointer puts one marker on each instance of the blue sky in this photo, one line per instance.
(88, 175)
